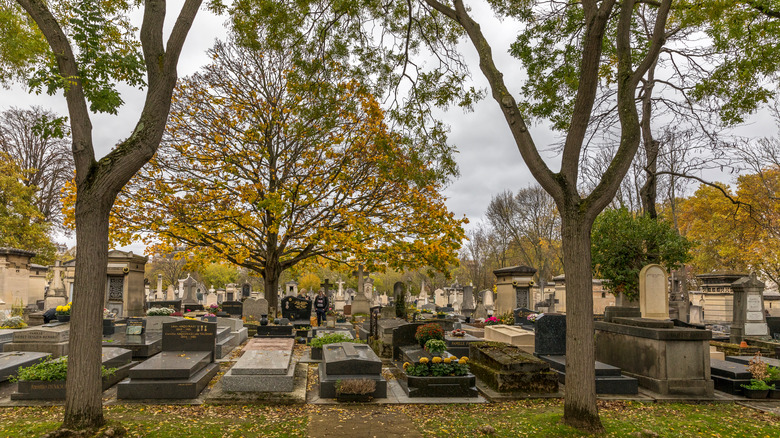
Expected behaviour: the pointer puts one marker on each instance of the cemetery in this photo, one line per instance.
(302, 231)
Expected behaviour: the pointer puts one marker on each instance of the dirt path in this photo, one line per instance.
(360, 421)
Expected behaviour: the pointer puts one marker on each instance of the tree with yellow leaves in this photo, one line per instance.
(271, 159)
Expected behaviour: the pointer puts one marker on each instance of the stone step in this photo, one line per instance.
(558, 363)
(167, 389)
(259, 382)
(226, 345)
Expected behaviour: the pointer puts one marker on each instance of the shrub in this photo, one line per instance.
(355, 386)
(332, 338)
(427, 332)
(56, 369)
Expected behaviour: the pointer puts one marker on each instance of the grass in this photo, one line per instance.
(533, 418)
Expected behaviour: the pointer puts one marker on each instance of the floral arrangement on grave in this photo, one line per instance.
(435, 346)
(332, 338)
(209, 315)
(438, 367)
(355, 387)
(63, 310)
(492, 321)
(426, 332)
(441, 315)
(175, 313)
(332, 312)
(507, 318)
(52, 370)
(14, 322)
(160, 311)
(759, 373)
(214, 308)
(534, 317)
(426, 311)
(459, 333)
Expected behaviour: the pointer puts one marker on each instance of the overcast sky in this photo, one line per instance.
(487, 155)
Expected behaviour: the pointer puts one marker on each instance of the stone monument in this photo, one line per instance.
(654, 292)
(749, 317)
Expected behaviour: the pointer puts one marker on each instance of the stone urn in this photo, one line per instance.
(263, 319)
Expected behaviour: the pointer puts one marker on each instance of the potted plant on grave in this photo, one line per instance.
(492, 321)
(331, 338)
(435, 347)
(160, 311)
(758, 387)
(773, 379)
(355, 390)
(63, 313)
(209, 317)
(458, 333)
(426, 332)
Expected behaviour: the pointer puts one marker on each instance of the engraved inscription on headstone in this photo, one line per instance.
(115, 288)
(753, 304)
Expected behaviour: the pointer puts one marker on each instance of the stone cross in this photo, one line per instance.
(159, 287)
(326, 286)
(361, 282)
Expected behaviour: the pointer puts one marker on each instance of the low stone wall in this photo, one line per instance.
(507, 368)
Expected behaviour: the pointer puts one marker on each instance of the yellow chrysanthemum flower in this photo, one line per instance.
(406, 365)
(59, 308)
(424, 360)
(462, 361)
(437, 359)
(447, 360)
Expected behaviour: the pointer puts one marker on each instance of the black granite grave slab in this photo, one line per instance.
(113, 357)
(328, 383)
(729, 369)
(167, 389)
(142, 346)
(275, 331)
(233, 308)
(459, 345)
(222, 333)
(347, 358)
(550, 335)
(746, 360)
(446, 386)
(193, 307)
(403, 336)
(11, 361)
(189, 335)
(296, 309)
(172, 365)
(608, 378)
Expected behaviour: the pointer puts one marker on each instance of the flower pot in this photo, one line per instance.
(774, 393)
(210, 318)
(63, 318)
(755, 393)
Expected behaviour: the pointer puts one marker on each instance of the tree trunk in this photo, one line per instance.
(271, 276)
(580, 408)
(83, 405)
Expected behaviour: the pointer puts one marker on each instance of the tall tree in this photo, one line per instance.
(582, 58)
(37, 139)
(271, 160)
(23, 225)
(92, 46)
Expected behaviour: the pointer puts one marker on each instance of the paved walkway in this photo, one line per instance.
(361, 421)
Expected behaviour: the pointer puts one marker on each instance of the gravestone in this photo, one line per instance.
(211, 299)
(749, 318)
(360, 303)
(52, 340)
(487, 300)
(246, 290)
(189, 286)
(349, 361)
(325, 285)
(182, 370)
(255, 308)
(296, 309)
(654, 292)
(467, 306)
(267, 365)
(233, 308)
(550, 339)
